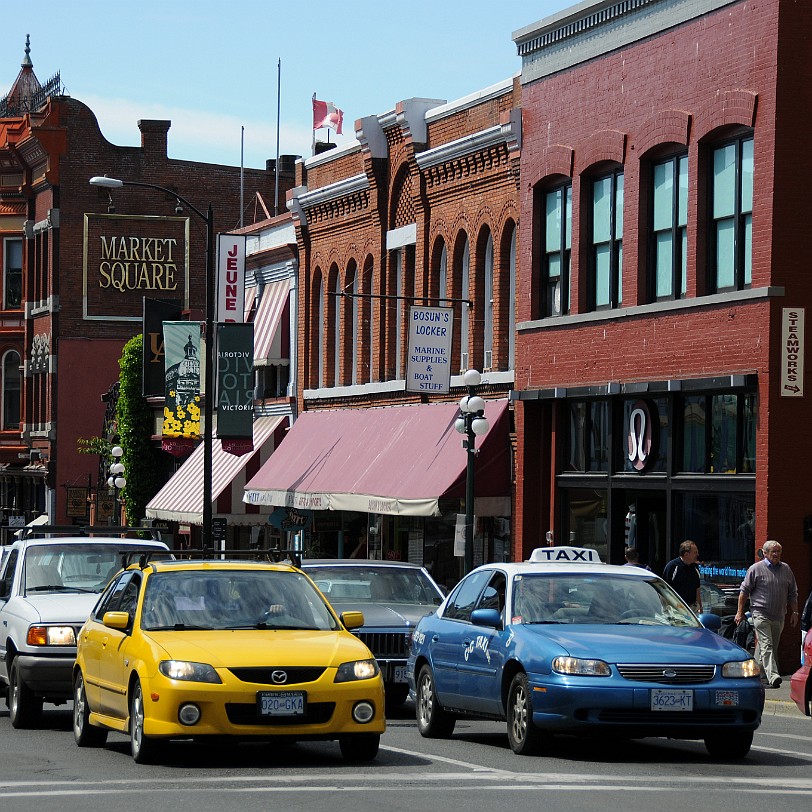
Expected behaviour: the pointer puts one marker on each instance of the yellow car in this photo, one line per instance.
(192, 649)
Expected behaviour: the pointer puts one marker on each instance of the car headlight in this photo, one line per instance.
(575, 666)
(741, 668)
(191, 672)
(51, 636)
(358, 669)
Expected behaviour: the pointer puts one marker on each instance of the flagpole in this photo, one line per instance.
(278, 98)
(313, 145)
(242, 172)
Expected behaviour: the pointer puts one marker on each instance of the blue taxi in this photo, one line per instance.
(565, 644)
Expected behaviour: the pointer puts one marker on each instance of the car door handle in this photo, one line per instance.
(435, 638)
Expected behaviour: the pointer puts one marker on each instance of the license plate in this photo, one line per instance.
(399, 674)
(663, 699)
(281, 703)
(727, 698)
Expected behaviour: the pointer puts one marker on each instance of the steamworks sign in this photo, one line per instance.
(127, 258)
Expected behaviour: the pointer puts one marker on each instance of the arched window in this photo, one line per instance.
(465, 320)
(511, 302)
(11, 390)
(488, 300)
(322, 333)
(354, 324)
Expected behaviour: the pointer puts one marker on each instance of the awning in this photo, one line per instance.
(393, 460)
(266, 321)
(181, 499)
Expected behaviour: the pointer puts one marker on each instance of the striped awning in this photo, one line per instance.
(181, 499)
(269, 311)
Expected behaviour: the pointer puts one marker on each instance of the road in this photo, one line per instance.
(42, 770)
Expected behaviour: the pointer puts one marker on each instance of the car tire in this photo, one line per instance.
(433, 721)
(84, 734)
(524, 737)
(729, 746)
(24, 707)
(359, 747)
(144, 749)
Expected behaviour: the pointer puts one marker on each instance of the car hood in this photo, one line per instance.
(635, 644)
(257, 647)
(67, 607)
(386, 615)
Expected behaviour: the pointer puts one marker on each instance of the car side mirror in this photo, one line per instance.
(352, 620)
(711, 621)
(487, 617)
(116, 620)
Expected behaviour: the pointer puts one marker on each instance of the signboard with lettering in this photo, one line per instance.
(76, 501)
(235, 380)
(792, 352)
(182, 399)
(431, 330)
(128, 257)
(231, 278)
(156, 312)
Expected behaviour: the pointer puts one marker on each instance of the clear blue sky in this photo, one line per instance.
(211, 67)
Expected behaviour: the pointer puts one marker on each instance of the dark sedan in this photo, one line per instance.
(393, 595)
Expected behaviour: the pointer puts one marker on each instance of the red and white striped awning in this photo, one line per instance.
(181, 499)
(269, 312)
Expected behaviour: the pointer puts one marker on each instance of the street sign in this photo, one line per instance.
(431, 331)
(792, 352)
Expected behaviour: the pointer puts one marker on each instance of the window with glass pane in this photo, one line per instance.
(670, 220)
(588, 436)
(11, 391)
(732, 215)
(557, 246)
(748, 419)
(578, 411)
(607, 241)
(599, 436)
(585, 514)
(724, 427)
(694, 426)
(12, 273)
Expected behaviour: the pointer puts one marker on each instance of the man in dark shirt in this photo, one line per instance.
(682, 574)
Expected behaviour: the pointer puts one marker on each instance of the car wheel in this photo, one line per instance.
(524, 737)
(433, 721)
(396, 694)
(359, 746)
(24, 708)
(729, 746)
(84, 734)
(144, 749)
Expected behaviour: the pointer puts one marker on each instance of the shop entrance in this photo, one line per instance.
(639, 518)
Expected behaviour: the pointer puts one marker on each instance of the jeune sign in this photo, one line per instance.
(129, 257)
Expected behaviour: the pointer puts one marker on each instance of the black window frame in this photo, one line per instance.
(677, 258)
(615, 243)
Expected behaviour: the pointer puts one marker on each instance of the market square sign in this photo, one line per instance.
(129, 257)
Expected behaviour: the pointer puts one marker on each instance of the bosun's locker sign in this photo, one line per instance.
(431, 330)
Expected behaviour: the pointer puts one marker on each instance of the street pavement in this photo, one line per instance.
(777, 701)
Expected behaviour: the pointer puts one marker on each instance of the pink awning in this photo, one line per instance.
(269, 313)
(394, 460)
(181, 499)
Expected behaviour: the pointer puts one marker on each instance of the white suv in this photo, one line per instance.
(48, 586)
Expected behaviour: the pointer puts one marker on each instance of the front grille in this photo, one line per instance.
(668, 674)
(262, 675)
(316, 713)
(385, 644)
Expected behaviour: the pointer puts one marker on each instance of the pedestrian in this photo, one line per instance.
(770, 586)
(633, 558)
(806, 623)
(682, 573)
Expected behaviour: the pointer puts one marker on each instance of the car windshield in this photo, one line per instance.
(371, 584)
(72, 567)
(598, 598)
(233, 599)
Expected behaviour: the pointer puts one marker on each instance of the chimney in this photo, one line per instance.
(153, 136)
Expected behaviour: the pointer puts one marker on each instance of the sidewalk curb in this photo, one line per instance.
(780, 707)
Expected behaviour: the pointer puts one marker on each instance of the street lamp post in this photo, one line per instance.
(116, 481)
(471, 423)
(208, 410)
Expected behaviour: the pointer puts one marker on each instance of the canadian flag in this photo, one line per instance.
(326, 114)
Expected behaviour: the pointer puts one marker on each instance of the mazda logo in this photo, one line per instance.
(670, 673)
(279, 677)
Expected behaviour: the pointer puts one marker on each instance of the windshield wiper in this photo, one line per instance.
(52, 588)
(179, 627)
(263, 624)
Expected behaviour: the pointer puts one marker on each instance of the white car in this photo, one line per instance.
(48, 586)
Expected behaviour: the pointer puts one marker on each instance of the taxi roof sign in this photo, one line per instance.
(566, 555)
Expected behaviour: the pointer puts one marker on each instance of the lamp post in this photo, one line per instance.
(208, 410)
(471, 423)
(116, 481)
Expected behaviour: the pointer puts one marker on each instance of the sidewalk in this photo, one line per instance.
(777, 701)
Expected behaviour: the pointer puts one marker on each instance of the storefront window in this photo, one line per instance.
(589, 435)
(693, 433)
(723, 434)
(588, 524)
(645, 433)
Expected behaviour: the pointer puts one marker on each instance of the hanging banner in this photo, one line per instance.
(429, 365)
(792, 352)
(231, 278)
(235, 381)
(156, 312)
(182, 380)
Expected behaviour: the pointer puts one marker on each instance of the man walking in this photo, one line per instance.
(770, 586)
(682, 573)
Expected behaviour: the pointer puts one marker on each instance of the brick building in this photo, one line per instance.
(419, 210)
(81, 262)
(663, 282)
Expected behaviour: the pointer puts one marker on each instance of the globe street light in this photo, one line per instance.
(208, 406)
(471, 423)
(116, 481)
